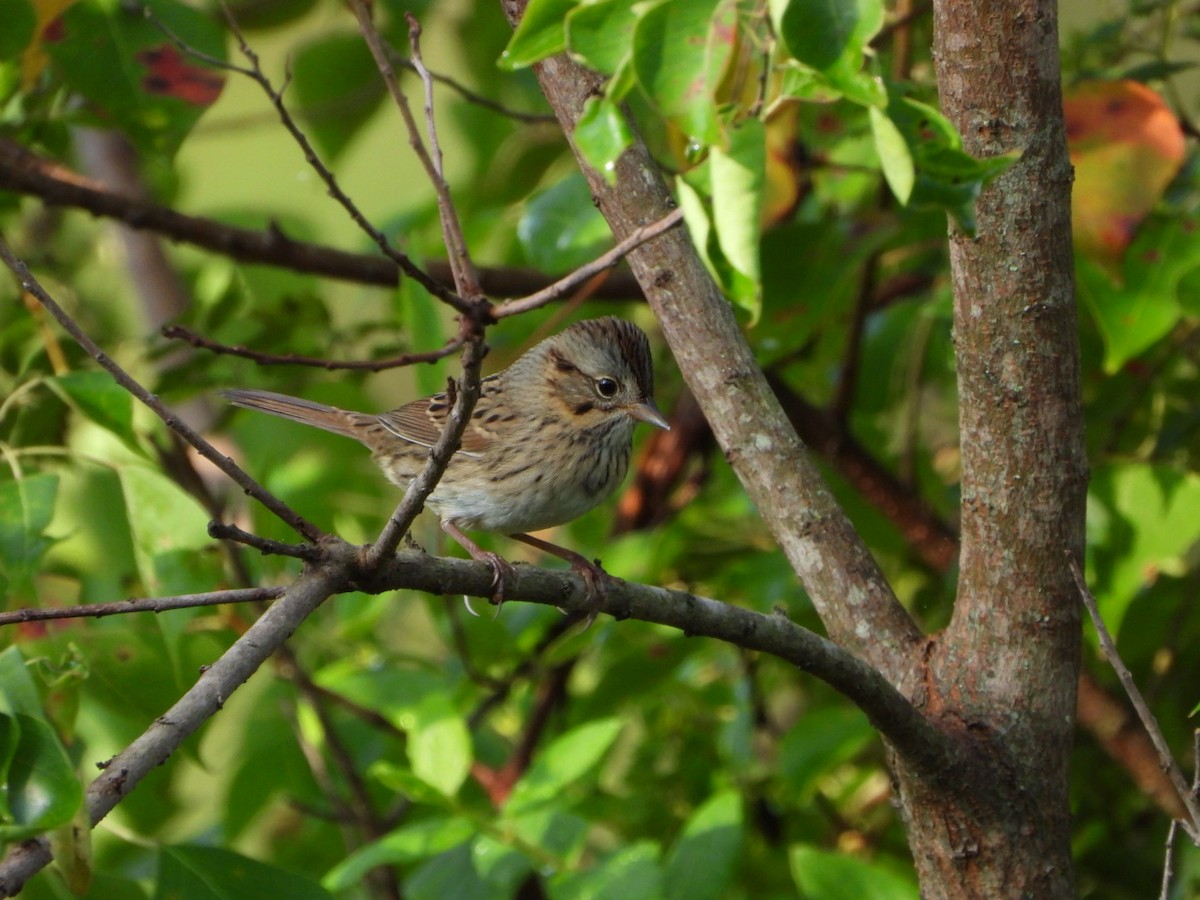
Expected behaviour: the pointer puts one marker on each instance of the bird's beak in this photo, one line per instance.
(647, 412)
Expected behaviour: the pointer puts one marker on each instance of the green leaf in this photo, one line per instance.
(631, 873)
(701, 864)
(1142, 307)
(701, 219)
(135, 77)
(102, 400)
(339, 88)
(19, 24)
(680, 51)
(561, 764)
(1141, 521)
(945, 176)
(561, 229)
(600, 35)
(894, 156)
(257, 15)
(500, 864)
(18, 693)
(738, 175)
(818, 32)
(449, 875)
(404, 781)
(26, 509)
(560, 834)
(822, 740)
(40, 787)
(602, 135)
(541, 33)
(822, 875)
(417, 841)
(167, 526)
(699, 222)
(439, 745)
(211, 873)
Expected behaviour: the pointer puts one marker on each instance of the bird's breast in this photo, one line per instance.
(537, 483)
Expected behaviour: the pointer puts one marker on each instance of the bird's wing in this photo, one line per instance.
(421, 422)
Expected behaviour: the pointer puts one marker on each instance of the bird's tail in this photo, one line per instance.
(330, 418)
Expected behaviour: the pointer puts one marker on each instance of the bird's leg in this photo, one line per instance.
(501, 568)
(592, 573)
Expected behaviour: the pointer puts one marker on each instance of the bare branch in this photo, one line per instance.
(342, 569)
(422, 486)
(1170, 766)
(222, 531)
(466, 280)
(255, 73)
(172, 421)
(474, 97)
(204, 699)
(606, 260)
(178, 332)
(141, 604)
(24, 172)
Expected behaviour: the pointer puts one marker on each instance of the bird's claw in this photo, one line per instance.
(597, 583)
(501, 571)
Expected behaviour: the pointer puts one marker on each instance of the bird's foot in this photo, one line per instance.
(502, 571)
(597, 583)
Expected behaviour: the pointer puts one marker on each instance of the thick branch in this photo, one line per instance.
(892, 714)
(843, 580)
(1012, 648)
(24, 172)
(342, 569)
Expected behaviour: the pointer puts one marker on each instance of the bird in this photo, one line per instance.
(549, 439)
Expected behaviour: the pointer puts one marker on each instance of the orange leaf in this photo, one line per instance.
(1126, 146)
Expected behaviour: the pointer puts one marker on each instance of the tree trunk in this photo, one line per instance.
(1006, 668)
(999, 683)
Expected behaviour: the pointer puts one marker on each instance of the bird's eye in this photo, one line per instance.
(606, 387)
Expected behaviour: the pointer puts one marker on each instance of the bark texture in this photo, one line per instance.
(843, 580)
(999, 684)
(1006, 668)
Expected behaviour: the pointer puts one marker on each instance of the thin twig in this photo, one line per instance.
(605, 261)
(1168, 863)
(222, 531)
(476, 98)
(439, 456)
(293, 519)
(255, 73)
(466, 280)
(1170, 766)
(178, 332)
(476, 309)
(140, 604)
(123, 773)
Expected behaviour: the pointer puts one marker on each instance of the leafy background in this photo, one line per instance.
(496, 754)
